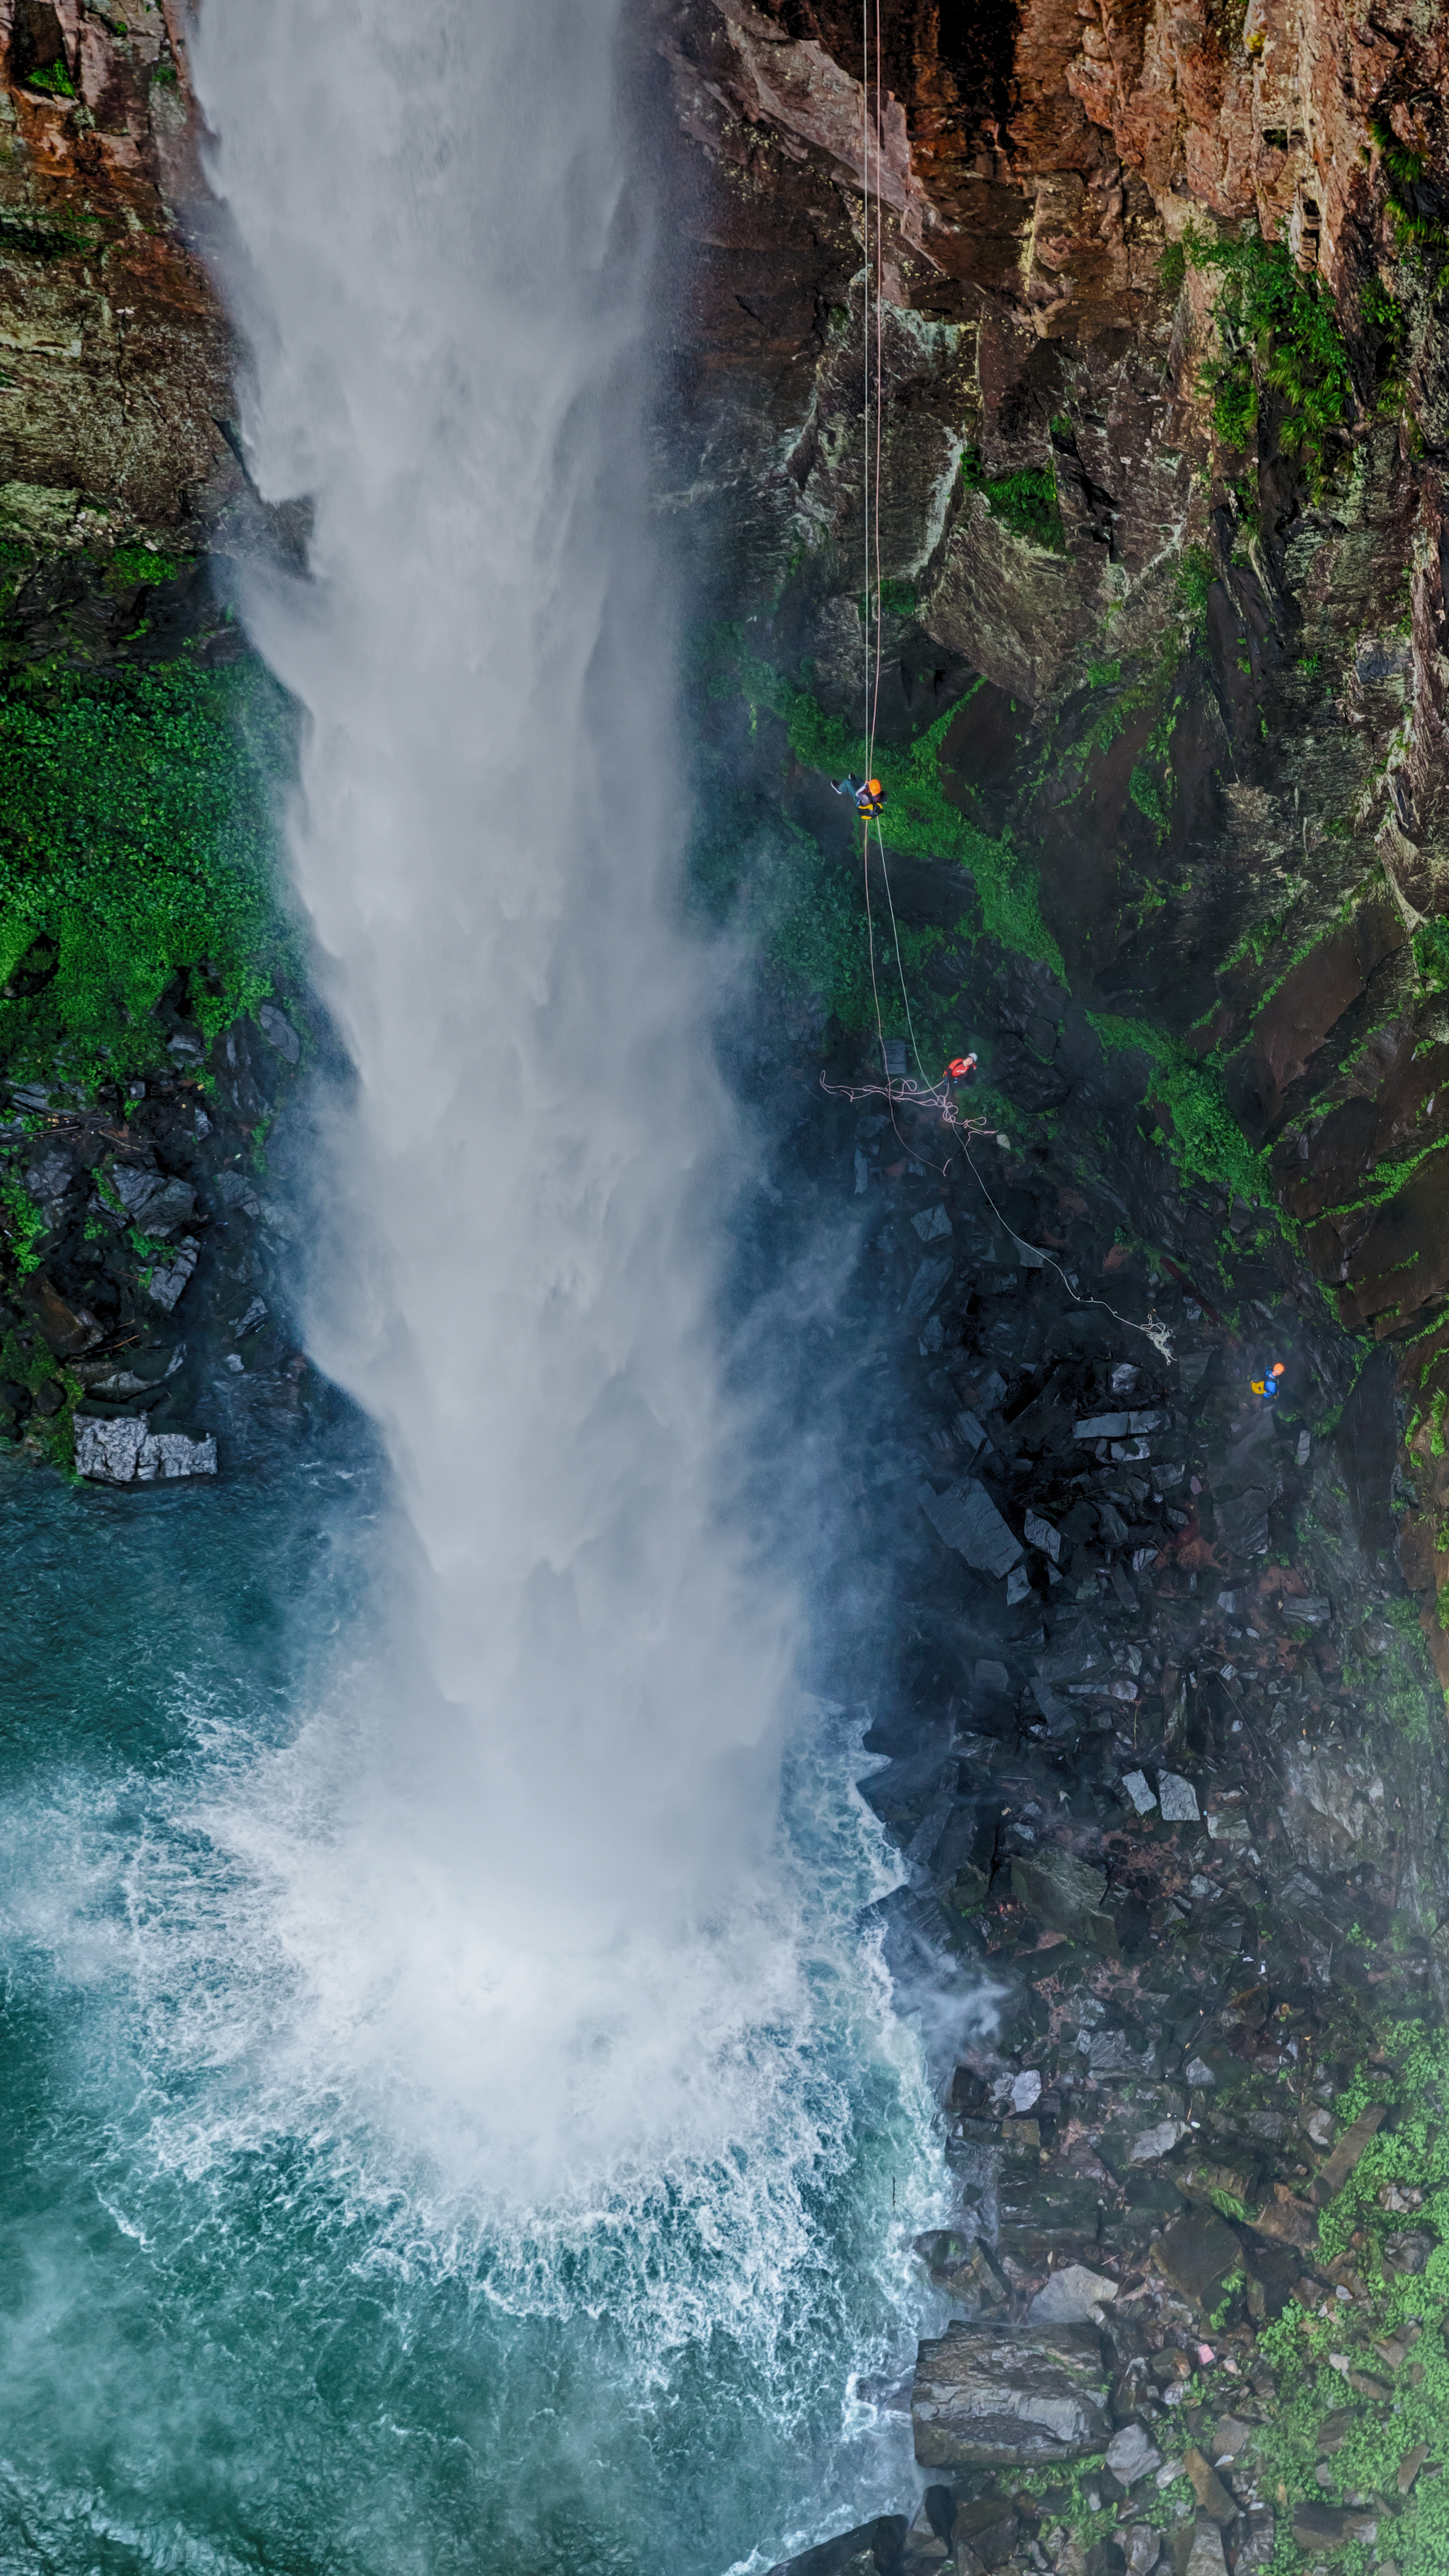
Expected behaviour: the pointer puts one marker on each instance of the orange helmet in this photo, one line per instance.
(1277, 1368)
(874, 786)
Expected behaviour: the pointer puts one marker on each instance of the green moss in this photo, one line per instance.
(1194, 578)
(138, 563)
(136, 841)
(1419, 235)
(807, 917)
(1146, 792)
(1436, 1421)
(1025, 502)
(1431, 955)
(1206, 1137)
(55, 80)
(1172, 268)
(1276, 328)
(24, 1226)
(920, 820)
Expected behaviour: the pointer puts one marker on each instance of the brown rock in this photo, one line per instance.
(1208, 2487)
(1335, 2173)
(1199, 2254)
(1410, 2465)
(66, 1330)
(1286, 2219)
(1328, 2527)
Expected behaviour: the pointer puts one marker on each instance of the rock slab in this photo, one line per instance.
(872, 2549)
(968, 1520)
(124, 1452)
(986, 2396)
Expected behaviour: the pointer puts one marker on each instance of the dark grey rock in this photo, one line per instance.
(925, 1288)
(278, 1031)
(1058, 1890)
(1199, 2253)
(871, 2549)
(992, 2397)
(165, 1285)
(968, 1520)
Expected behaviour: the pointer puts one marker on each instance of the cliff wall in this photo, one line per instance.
(1196, 632)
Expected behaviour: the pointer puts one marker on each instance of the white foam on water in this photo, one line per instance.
(522, 1875)
(496, 2046)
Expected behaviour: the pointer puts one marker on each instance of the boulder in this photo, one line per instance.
(989, 2527)
(1335, 2173)
(872, 2549)
(988, 2396)
(968, 1520)
(1205, 2557)
(150, 1199)
(1323, 2528)
(65, 1330)
(125, 1452)
(1178, 1799)
(1132, 2454)
(1199, 2254)
(278, 1031)
(1071, 2296)
(1286, 2220)
(1213, 2497)
(164, 1285)
(1063, 1894)
(1335, 1810)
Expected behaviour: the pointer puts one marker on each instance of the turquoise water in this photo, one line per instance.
(240, 2326)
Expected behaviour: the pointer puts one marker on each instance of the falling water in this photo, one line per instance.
(455, 2112)
(444, 277)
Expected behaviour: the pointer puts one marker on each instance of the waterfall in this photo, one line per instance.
(520, 1866)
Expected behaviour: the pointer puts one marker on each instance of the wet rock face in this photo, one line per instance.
(1025, 2399)
(1200, 688)
(117, 358)
(1179, 1800)
(153, 1314)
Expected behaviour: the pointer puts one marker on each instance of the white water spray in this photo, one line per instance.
(506, 1879)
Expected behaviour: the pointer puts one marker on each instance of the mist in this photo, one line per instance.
(520, 1866)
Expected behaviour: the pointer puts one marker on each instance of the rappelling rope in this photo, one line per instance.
(901, 1092)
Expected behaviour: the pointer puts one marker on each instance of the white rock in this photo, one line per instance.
(125, 1452)
(1198, 2073)
(1136, 1785)
(165, 1286)
(1026, 2091)
(931, 1223)
(1132, 2454)
(1040, 1533)
(1178, 1798)
(1155, 2142)
(1070, 2296)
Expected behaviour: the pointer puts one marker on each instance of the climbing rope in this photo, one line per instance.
(903, 1091)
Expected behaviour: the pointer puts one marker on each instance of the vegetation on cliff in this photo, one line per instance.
(1278, 330)
(136, 843)
(920, 822)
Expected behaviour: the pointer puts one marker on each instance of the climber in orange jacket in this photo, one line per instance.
(868, 793)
